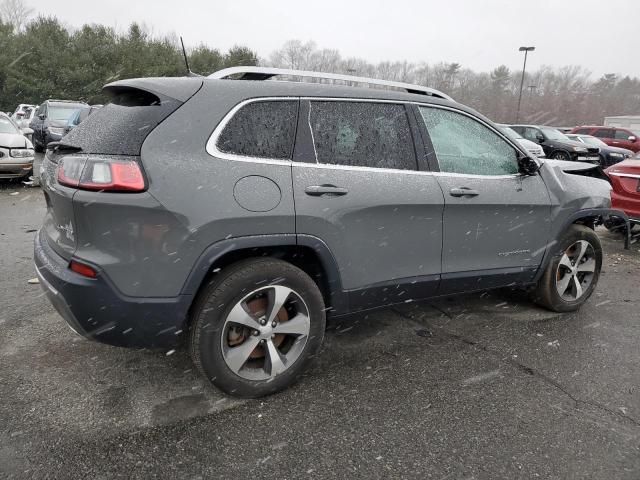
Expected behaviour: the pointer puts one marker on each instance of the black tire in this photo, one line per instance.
(560, 155)
(222, 294)
(546, 293)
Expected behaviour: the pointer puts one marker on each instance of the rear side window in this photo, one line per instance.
(362, 134)
(121, 126)
(264, 129)
(583, 131)
(603, 133)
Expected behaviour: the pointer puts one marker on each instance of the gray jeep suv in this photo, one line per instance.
(235, 214)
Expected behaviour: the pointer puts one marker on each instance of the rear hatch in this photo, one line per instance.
(103, 153)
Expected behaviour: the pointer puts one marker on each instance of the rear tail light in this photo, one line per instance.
(82, 269)
(100, 174)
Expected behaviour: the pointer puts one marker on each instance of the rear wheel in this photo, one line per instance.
(256, 327)
(573, 271)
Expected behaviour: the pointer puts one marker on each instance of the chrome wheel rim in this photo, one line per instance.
(576, 271)
(264, 333)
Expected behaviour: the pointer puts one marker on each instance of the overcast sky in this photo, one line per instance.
(480, 34)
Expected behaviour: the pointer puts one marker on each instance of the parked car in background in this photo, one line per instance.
(25, 116)
(246, 279)
(557, 145)
(615, 137)
(50, 121)
(531, 147)
(16, 151)
(608, 155)
(79, 117)
(625, 179)
(20, 112)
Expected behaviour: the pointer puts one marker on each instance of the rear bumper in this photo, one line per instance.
(95, 309)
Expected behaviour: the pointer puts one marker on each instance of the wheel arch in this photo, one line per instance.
(308, 253)
(590, 217)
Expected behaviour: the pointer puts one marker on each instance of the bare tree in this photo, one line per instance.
(15, 13)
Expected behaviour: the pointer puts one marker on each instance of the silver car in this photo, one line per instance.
(16, 151)
(234, 214)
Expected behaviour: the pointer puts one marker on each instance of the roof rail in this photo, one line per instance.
(265, 73)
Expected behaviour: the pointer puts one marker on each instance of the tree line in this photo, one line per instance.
(563, 96)
(40, 58)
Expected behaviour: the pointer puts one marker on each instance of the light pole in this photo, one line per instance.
(524, 67)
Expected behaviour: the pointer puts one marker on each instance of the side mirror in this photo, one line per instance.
(41, 116)
(540, 138)
(632, 138)
(527, 165)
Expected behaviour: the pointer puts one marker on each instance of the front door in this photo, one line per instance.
(358, 189)
(496, 221)
(621, 140)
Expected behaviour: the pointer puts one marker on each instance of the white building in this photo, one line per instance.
(632, 122)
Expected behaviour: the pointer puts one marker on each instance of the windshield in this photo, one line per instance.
(553, 134)
(511, 133)
(7, 126)
(62, 113)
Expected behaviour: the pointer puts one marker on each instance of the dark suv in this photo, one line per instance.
(236, 214)
(557, 145)
(50, 121)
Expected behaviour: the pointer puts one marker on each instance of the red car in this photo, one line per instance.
(614, 136)
(625, 178)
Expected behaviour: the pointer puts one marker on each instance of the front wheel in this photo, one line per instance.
(573, 271)
(560, 156)
(256, 327)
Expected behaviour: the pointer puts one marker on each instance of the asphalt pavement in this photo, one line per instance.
(477, 386)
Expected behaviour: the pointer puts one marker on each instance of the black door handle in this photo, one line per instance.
(326, 190)
(463, 192)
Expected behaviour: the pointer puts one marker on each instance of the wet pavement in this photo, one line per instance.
(478, 386)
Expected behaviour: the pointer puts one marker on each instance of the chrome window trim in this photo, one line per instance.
(212, 147)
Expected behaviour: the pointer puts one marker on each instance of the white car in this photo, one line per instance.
(16, 150)
(528, 145)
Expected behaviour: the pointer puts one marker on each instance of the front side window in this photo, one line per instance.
(464, 145)
(364, 134)
(622, 135)
(263, 129)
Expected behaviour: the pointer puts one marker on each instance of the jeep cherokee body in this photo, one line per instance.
(237, 212)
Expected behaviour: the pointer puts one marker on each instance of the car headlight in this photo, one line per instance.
(580, 149)
(56, 130)
(21, 152)
(616, 154)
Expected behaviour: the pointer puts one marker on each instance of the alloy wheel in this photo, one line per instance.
(576, 271)
(265, 333)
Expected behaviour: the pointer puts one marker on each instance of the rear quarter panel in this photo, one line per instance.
(191, 203)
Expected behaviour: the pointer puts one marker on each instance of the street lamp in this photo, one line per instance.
(524, 67)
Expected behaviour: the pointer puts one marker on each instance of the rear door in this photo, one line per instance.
(496, 221)
(357, 188)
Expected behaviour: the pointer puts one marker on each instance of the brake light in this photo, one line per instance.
(82, 269)
(100, 174)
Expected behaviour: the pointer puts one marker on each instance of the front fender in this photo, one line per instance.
(592, 215)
